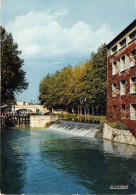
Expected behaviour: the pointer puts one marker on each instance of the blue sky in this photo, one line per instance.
(55, 33)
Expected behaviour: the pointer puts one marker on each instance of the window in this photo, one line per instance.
(133, 85)
(114, 49)
(114, 108)
(133, 112)
(122, 63)
(114, 89)
(37, 111)
(122, 87)
(114, 68)
(132, 36)
(133, 58)
(123, 43)
(123, 111)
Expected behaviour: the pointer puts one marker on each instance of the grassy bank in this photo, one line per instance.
(81, 118)
(118, 125)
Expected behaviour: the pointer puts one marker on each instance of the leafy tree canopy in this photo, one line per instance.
(82, 84)
(12, 75)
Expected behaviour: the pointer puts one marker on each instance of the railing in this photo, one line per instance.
(59, 111)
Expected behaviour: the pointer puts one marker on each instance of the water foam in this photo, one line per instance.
(75, 128)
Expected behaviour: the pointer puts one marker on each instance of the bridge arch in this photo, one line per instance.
(24, 110)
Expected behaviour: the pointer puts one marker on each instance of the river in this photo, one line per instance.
(59, 160)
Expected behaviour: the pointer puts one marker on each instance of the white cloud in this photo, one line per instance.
(40, 35)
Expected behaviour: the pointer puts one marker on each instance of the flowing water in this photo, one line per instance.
(65, 159)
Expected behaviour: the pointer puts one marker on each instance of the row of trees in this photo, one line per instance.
(12, 75)
(72, 87)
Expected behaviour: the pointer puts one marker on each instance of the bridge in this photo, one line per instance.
(29, 108)
(23, 106)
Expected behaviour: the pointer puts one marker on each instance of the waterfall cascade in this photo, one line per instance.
(75, 128)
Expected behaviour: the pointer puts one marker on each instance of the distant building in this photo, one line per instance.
(121, 78)
(22, 103)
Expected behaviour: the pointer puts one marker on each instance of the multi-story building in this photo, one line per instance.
(121, 78)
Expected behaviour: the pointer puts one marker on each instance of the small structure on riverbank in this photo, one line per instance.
(36, 121)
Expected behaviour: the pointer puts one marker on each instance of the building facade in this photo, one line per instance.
(22, 103)
(121, 78)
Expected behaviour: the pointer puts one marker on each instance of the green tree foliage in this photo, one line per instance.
(82, 84)
(12, 76)
(97, 77)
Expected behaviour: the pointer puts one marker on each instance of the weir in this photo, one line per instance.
(78, 129)
(93, 130)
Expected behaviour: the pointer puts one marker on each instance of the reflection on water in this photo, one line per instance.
(13, 153)
(48, 161)
(119, 150)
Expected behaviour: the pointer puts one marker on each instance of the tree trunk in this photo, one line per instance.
(73, 110)
(85, 110)
(93, 110)
(88, 111)
(78, 110)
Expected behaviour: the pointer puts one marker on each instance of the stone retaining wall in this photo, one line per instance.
(122, 136)
(42, 121)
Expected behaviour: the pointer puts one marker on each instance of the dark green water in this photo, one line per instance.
(52, 162)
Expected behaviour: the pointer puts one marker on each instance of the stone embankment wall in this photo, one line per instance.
(42, 121)
(122, 136)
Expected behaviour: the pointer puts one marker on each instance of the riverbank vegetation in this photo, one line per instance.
(80, 89)
(80, 118)
(12, 75)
